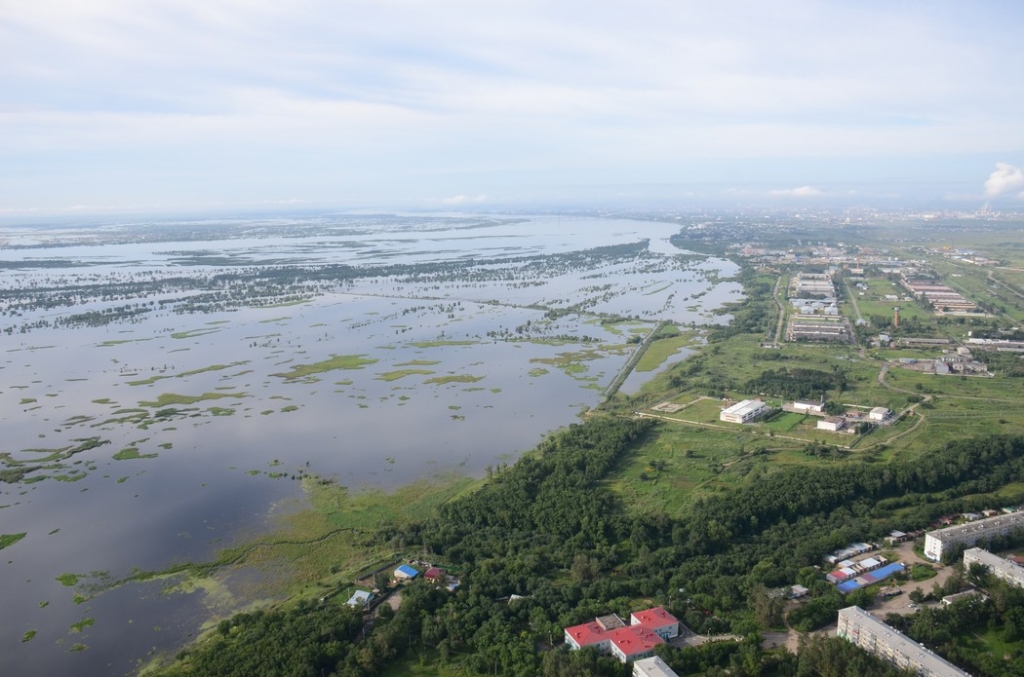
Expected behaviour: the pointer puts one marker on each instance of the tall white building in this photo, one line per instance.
(874, 636)
(939, 542)
(999, 567)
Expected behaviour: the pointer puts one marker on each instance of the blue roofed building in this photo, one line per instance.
(405, 573)
(360, 598)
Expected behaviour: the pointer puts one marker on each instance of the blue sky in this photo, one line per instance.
(113, 105)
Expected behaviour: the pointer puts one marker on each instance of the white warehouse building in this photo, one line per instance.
(1001, 568)
(744, 412)
(939, 542)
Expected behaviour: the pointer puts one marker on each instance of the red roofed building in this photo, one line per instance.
(657, 620)
(434, 574)
(609, 634)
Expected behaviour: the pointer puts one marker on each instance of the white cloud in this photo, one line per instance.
(802, 191)
(179, 100)
(1005, 178)
(463, 199)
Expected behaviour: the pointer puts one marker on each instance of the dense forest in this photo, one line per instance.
(797, 383)
(549, 529)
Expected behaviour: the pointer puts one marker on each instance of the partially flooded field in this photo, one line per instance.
(164, 386)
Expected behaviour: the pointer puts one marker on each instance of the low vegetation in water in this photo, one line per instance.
(305, 371)
(129, 453)
(167, 399)
(184, 374)
(454, 378)
(82, 624)
(7, 540)
(402, 373)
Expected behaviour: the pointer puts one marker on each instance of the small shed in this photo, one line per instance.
(360, 598)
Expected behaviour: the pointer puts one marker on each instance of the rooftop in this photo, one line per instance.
(999, 566)
(654, 618)
(743, 407)
(653, 667)
(916, 653)
(632, 639)
(980, 526)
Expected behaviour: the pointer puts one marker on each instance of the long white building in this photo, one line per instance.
(939, 542)
(744, 412)
(999, 567)
(874, 636)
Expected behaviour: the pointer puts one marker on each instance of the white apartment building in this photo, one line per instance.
(1001, 568)
(875, 637)
(939, 542)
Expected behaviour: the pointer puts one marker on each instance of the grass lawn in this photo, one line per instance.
(785, 422)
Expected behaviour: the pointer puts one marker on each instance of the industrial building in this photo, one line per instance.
(808, 406)
(875, 637)
(1001, 568)
(832, 423)
(879, 414)
(744, 412)
(939, 542)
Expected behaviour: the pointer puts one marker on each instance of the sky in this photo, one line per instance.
(150, 105)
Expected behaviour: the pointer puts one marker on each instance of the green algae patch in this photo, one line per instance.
(418, 363)
(82, 624)
(167, 399)
(193, 372)
(129, 453)
(440, 344)
(68, 580)
(61, 454)
(29, 634)
(11, 539)
(305, 371)
(193, 333)
(455, 378)
(402, 373)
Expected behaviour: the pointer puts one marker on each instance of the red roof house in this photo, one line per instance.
(609, 634)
